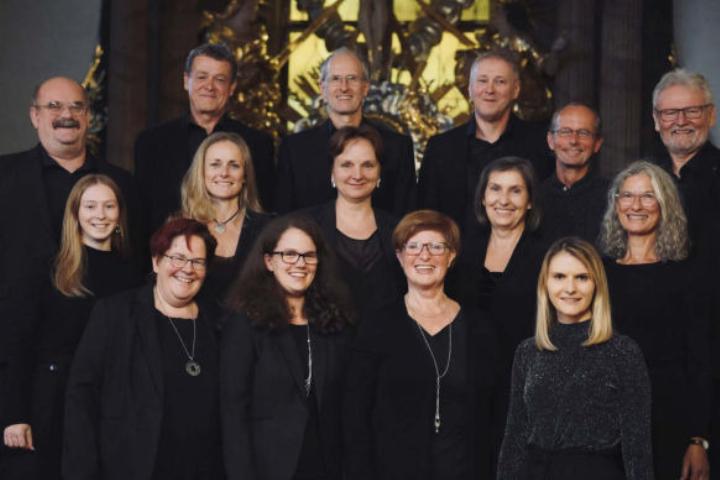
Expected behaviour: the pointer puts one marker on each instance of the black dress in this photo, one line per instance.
(51, 333)
(389, 419)
(655, 305)
(578, 412)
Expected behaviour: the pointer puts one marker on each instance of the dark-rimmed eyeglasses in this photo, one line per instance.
(434, 248)
(179, 261)
(569, 132)
(692, 113)
(56, 108)
(291, 257)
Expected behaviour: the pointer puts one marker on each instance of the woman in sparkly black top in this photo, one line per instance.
(92, 263)
(580, 396)
(283, 359)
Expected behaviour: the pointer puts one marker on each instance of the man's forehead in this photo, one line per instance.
(344, 62)
(494, 66)
(206, 64)
(61, 89)
(681, 94)
(576, 114)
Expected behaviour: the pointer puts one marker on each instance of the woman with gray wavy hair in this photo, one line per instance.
(653, 297)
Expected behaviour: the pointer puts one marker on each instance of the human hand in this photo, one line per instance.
(18, 436)
(695, 464)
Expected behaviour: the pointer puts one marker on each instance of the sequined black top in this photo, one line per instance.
(579, 398)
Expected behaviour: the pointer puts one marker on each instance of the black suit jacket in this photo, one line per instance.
(445, 184)
(304, 167)
(115, 396)
(263, 404)
(164, 153)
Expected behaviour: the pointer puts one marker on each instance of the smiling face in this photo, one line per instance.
(356, 170)
(178, 286)
(209, 86)
(506, 200)
(224, 170)
(574, 151)
(98, 216)
(423, 270)
(638, 216)
(60, 130)
(683, 136)
(294, 278)
(570, 288)
(494, 87)
(345, 87)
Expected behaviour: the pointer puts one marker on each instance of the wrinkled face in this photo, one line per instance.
(98, 216)
(61, 116)
(345, 87)
(637, 207)
(506, 199)
(493, 89)
(570, 288)
(209, 85)
(295, 278)
(224, 170)
(575, 139)
(356, 170)
(680, 134)
(424, 270)
(178, 285)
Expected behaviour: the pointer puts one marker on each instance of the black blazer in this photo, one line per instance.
(390, 397)
(394, 280)
(304, 166)
(262, 399)
(164, 153)
(115, 396)
(444, 182)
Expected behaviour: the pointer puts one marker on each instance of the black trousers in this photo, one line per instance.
(574, 464)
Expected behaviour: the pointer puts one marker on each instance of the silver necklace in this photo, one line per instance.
(308, 379)
(220, 226)
(438, 375)
(191, 366)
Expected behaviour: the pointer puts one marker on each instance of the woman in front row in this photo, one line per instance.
(422, 372)
(580, 395)
(142, 398)
(283, 359)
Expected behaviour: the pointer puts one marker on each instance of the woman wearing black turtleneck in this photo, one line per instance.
(91, 264)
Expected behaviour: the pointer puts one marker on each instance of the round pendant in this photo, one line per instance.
(193, 368)
(220, 227)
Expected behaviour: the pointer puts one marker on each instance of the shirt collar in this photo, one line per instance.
(509, 128)
(47, 161)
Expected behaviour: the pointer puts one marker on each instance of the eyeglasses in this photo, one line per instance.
(569, 132)
(691, 113)
(291, 257)
(56, 108)
(339, 79)
(434, 248)
(178, 261)
(625, 199)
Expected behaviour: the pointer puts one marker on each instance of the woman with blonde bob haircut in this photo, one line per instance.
(580, 395)
(219, 190)
(92, 263)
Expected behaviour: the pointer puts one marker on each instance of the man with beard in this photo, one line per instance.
(454, 160)
(304, 161)
(34, 186)
(575, 197)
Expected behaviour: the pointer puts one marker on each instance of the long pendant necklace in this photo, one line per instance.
(191, 366)
(220, 226)
(308, 379)
(438, 376)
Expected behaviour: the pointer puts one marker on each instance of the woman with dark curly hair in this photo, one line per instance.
(282, 358)
(655, 301)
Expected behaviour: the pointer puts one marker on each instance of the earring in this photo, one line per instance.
(117, 230)
(378, 184)
(332, 182)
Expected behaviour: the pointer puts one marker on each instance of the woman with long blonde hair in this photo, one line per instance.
(91, 263)
(580, 395)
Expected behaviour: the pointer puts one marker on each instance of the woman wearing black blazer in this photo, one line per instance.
(360, 234)
(418, 403)
(142, 398)
(283, 358)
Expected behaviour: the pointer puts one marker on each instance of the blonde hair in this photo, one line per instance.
(601, 320)
(71, 261)
(196, 201)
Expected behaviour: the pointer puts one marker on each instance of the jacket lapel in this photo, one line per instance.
(320, 346)
(35, 188)
(292, 358)
(144, 317)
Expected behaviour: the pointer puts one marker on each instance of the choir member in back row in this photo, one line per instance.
(93, 262)
(657, 301)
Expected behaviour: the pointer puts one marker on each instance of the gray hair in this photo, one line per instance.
(680, 76)
(499, 54)
(556, 116)
(672, 236)
(325, 67)
(216, 51)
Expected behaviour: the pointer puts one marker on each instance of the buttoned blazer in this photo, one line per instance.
(304, 167)
(263, 404)
(115, 394)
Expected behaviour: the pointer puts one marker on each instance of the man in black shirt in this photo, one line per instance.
(163, 153)
(574, 198)
(454, 160)
(304, 161)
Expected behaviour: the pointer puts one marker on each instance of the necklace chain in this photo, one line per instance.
(182, 342)
(438, 376)
(308, 379)
(220, 226)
